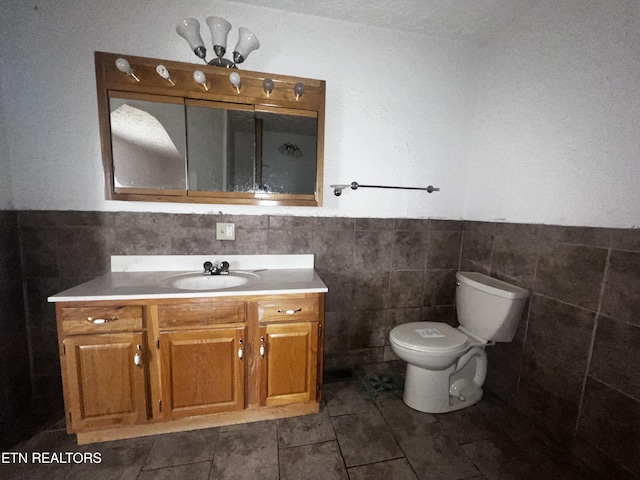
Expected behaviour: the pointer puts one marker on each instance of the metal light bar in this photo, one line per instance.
(337, 189)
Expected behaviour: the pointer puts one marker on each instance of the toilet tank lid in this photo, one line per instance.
(491, 285)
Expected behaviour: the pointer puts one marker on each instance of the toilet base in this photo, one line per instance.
(428, 391)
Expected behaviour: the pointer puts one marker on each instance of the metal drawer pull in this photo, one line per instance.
(137, 358)
(101, 321)
(262, 347)
(240, 350)
(289, 312)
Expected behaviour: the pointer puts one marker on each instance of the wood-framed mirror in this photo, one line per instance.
(181, 141)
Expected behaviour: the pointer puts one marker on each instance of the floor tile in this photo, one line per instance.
(247, 451)
(391, 470)
(397, 413)
(193, 471)
(347, 397)
(468, 425)
(195, 446)
(321, 461)
(365, 438)
(433, 453)
(306, 429)
(501, 459)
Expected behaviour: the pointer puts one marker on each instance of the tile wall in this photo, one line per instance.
(15, 384)
(573, 365)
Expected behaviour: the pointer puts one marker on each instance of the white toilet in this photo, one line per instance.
(446, 366)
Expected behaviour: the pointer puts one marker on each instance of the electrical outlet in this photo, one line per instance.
(225, 231)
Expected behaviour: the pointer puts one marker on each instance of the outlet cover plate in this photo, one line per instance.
(225, 231)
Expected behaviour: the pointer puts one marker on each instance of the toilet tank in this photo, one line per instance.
(487, 307)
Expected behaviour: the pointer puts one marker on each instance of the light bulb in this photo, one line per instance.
(268, 85)
(164, 73)
(247, 43)
(298, 89)
(189, 29)
(200, 78)
(125, 67)
(234, 78)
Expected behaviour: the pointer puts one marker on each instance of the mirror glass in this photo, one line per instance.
(148, 144)
(288, 154)
(221, 147)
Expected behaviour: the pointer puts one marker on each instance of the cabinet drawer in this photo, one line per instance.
(109, 319)
(181, 315)
(289, 309)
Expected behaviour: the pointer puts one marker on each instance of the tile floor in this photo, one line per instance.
(363, 431)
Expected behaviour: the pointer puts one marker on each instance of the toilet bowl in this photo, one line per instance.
(447, 366)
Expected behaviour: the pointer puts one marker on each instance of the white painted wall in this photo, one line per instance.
(551, 137)
(556, 134)
(397, 104)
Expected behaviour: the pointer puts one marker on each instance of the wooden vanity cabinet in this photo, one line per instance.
(202, 350)
(167, 365)
(102, 366)
(289, 334)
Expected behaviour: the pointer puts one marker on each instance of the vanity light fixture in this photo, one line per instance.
(164, 73)
(189, 29)
(200, 78)
(337, 189)
(298, 90)
(268, 86)
(234, 78)
(125, 67)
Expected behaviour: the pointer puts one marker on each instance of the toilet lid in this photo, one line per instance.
(429, 337)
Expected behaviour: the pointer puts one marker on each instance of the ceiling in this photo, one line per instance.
(475, 20)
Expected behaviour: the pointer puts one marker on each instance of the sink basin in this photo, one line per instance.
(198, 281)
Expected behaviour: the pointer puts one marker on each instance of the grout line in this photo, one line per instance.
(592, 343)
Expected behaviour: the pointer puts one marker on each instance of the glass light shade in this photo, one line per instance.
(189, 29)
(247, 43)
(219, 32)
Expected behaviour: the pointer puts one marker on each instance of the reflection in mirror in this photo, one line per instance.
(220, 149)
(289, 147)
(148, 144)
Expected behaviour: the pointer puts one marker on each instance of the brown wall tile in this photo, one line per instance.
(560, 330)
(616, 356)
(611, 421)
(621, 298)
(443, 250)
(549, 391)
(572, 274)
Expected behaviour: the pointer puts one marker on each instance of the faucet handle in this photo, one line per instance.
(224, 266)
(208, 266)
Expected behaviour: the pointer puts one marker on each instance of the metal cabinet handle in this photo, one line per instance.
(289, 312)
(262, 347)
(240, 350)
(101, 321)
(137, 358)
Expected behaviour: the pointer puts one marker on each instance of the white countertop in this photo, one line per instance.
(133, 283)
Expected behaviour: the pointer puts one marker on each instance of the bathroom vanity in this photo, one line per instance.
(144, 352)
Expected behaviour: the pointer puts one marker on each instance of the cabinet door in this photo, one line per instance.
(202, 371)
(105, 380)
(288, 363)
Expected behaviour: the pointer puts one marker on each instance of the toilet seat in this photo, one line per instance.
(429, 337)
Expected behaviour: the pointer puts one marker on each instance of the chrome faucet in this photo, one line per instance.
(221, 268)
